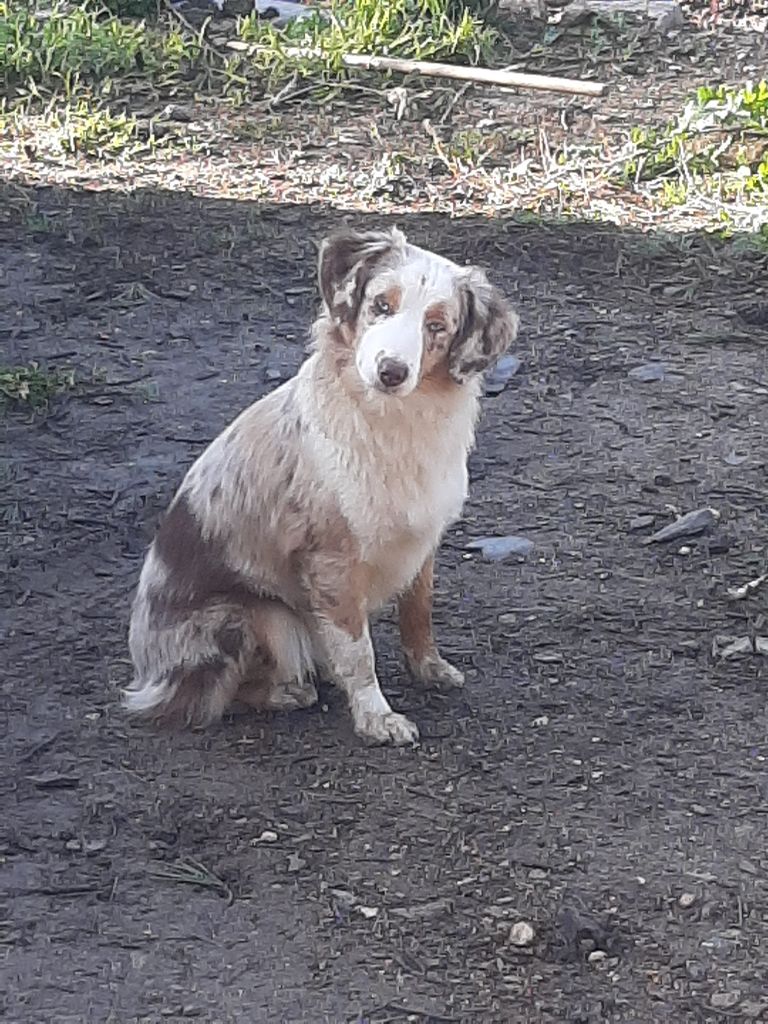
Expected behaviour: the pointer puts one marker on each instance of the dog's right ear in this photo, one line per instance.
(347, 262)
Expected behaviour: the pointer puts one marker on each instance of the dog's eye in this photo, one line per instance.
(381, 307)
(435, 327)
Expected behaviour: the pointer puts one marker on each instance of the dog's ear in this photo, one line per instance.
(347, 262)
(487, 327)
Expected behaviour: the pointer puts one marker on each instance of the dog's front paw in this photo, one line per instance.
(436, 673)
(386, 728)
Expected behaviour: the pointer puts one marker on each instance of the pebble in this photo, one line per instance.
(641, 522)
(687, 899)
(649, 372)
(725, 1000)
(496, 380)
(267, 836)
(597, 956)
(496, 549)
(522, 934)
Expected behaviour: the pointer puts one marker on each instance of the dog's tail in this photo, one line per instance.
(189, 676)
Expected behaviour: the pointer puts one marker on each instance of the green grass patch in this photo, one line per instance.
(722, 133)
(63, 50)
(418, 29)
(32, 386)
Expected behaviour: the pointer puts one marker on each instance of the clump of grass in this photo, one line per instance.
(33, 387)
(63, 46)
(63, 50)
(419, 29)
(723, 131)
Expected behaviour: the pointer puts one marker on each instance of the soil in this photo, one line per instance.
(603, 775)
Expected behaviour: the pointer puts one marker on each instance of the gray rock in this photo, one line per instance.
(689, 525)
(496, 549)
(649, 372)
(498, 378)
(725, 1000)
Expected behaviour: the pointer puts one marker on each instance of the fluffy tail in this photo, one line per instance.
(189, 675)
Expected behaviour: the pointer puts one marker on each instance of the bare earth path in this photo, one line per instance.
(602, 762)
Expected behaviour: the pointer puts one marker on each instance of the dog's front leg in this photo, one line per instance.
(421, 654)
(351, 662)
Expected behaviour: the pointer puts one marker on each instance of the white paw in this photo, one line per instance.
(374, 727)
(436, 673)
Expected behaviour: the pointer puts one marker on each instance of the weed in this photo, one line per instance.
(29, 385)
(722, 131)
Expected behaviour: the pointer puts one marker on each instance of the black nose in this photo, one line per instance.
(392, 373)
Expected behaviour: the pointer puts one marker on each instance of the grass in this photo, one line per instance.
(65, 50)
(33, 387)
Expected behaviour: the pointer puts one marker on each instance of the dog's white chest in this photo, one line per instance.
(399, 520)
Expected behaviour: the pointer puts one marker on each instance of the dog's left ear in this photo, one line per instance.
(487, 327)
(347, 262)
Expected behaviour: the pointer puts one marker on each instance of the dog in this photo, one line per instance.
(324, 500)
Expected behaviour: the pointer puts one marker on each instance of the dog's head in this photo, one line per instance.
(410, 315)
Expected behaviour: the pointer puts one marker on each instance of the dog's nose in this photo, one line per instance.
(392, 372)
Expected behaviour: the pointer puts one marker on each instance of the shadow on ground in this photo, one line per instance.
(603, 776)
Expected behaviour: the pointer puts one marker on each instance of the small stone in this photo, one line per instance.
(641, 522)
(548, 657)
(649, 372)
(369, 912)
(687, 899)
(295, 863)
(522, 934)
(725, 1000)
(597, 956)
(267, 836)
(497, 378)
(496, 549)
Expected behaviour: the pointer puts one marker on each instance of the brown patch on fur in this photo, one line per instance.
(435, 370)
(415, 614)
(336, 581)
(347, 262)
(197, 572)
(486, 327)
(393, 297)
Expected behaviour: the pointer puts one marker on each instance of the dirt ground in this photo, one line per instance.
(602, 777)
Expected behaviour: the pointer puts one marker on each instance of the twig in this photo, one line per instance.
(488, 76)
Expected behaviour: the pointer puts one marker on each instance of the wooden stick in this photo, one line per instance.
(491, 76)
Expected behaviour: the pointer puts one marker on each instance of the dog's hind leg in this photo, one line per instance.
(285, 681)
(189, 671)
